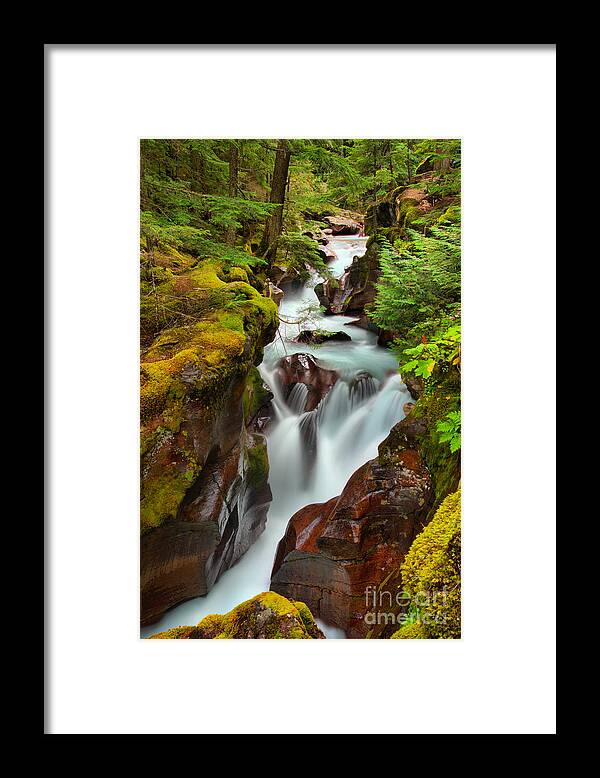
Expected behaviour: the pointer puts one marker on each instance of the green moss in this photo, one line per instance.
(431, 571)
(177, 633)
(416, 631)
(256, 300)
(450, 216)
(307, 618)
(162, 493)
(184, 357)
(257, 465)
(255, 394)
(226, 327)
(443, 465)
(236, 274)
(266, 616)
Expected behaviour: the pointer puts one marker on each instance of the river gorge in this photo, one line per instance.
(312, 453)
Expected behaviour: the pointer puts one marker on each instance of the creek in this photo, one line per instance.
(344, 430)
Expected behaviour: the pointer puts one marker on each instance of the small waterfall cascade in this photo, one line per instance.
(311, 454)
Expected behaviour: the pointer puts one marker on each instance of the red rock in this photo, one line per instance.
(332, 552)
(303, 369)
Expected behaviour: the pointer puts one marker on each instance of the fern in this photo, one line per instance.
(449, 430)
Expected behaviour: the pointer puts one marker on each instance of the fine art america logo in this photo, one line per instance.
(398, 608)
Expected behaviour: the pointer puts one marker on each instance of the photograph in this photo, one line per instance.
(300, 388)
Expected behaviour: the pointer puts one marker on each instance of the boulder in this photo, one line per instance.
(414, 385)
(364, 323)
(223, 512)
(316, 337)
(275, 293)
(276, 274)
(327, 253)
(292, 278)
(335, 554)
(343, 226)
(303, 369)
(355, 289)
(266, 616)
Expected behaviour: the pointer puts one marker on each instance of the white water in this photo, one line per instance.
(349, 424)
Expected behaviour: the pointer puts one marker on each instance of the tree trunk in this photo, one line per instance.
(375, 190)
(268, 246)
(233, 184)
(442, 162)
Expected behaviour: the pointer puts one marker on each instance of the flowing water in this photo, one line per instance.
(340, 435)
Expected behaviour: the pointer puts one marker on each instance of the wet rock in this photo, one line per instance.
(355, 289)
(303, 369)
(414, 385)
(266, 616)
(312, 234)
(407, 408)
(386, 337)
(275, 293)
(343, 226)
(316, 337)
(327, 253)
(333, 552)
(290, 278)
(364, 323)
(222, 514)
(276, 274)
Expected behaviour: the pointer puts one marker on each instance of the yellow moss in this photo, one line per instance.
(268, 615)
(236, 274)
(306, 616)
(201, 347)
(162, 494)
(416, 631)
(160, 378)
(177, 633)
(431, 570)
(226, 326)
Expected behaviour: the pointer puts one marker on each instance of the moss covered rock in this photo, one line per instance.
(431, 573)
(266, 616)
(416, 433)
(443, 464)
(197, 369)
(414, 631)
(204, 491)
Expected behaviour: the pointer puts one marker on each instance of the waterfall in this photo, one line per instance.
(297, 398)
(311, 454)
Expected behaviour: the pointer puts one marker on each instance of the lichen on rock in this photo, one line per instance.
(266, 616)
(204, 491)
(431, 571)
